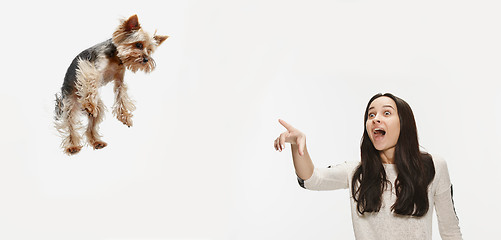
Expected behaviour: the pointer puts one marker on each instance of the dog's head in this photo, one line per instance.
(135, 46)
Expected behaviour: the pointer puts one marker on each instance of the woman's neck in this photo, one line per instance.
(388, 156)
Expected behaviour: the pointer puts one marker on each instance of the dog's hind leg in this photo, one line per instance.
(92, 134)
(87, 85)
(68, 125)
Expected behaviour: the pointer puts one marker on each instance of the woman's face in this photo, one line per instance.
(383, 123)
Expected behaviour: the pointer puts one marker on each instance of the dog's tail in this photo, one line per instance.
(58, 110)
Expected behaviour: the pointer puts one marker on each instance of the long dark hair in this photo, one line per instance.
(415, 169)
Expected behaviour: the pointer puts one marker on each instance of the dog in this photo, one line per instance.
(129, 48)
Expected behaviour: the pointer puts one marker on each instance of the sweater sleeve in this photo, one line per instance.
(330, 178)
(448, 222)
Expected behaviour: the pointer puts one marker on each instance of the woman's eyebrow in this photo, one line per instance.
(383, 106)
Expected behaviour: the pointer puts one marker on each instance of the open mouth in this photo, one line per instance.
(378, 132)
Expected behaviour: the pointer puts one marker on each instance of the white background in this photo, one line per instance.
(199, 161)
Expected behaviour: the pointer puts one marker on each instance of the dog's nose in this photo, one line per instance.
(145, 60)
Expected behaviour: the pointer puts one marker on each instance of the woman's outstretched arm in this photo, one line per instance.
(302, 161)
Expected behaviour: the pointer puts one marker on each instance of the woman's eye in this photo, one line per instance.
(139, 45)
(387, 113)
(371, 115)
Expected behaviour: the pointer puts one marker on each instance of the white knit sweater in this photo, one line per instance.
(386, 225)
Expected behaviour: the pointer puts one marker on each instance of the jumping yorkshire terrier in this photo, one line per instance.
(129, 48)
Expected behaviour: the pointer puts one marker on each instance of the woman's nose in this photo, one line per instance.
(376, 120)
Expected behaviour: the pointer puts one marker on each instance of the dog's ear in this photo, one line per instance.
(131, 24)
(126, 29)
(159, 39)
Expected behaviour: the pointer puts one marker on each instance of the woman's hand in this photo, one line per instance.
(292, 136)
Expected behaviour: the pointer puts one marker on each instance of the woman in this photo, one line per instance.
(394, 186)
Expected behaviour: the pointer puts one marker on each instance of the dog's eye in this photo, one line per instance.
(139, 45)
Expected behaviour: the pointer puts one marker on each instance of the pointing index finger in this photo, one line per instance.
(286, 125)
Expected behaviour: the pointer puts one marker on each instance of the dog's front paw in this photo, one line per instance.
(73, 150)
(125, 118)
(90, 108)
